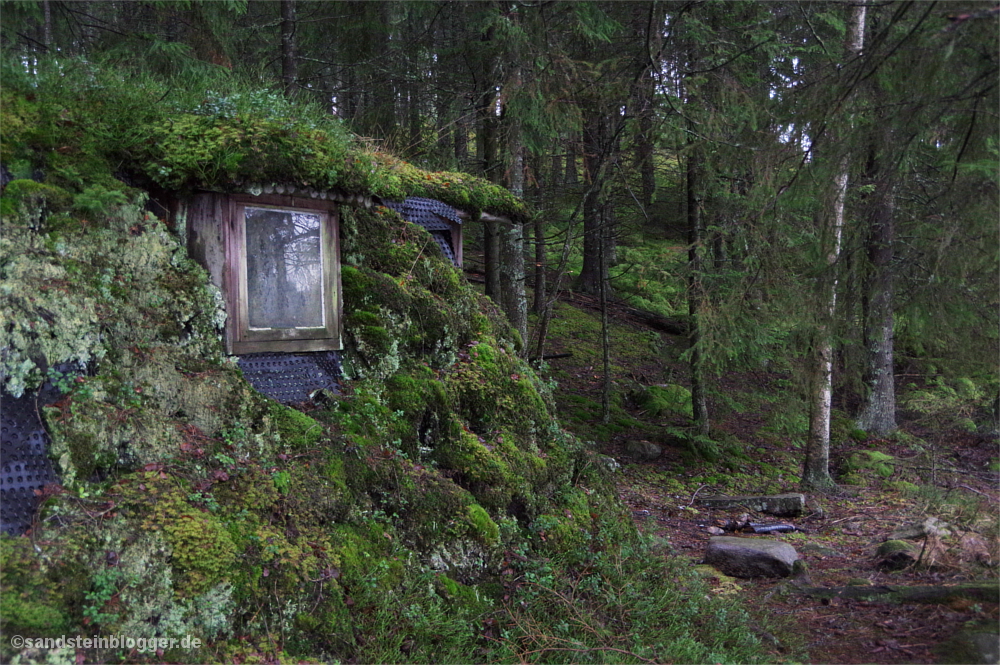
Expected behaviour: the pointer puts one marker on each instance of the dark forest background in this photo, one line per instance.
(828, 169)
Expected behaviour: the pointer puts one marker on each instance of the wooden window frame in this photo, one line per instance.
(240, 338)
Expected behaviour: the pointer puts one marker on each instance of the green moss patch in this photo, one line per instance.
(30, 598)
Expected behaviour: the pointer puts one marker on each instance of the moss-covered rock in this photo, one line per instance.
(66, 296)
(897, 554)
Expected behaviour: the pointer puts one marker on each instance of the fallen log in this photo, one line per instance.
(982, 593)
(656, 321)
(671, 326)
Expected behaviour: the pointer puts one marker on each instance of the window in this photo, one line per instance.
(282, 275)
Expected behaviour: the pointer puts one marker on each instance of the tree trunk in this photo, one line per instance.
(461, 137)
(878, 413)
(491, 259)
(644, 141)
(540, 285)
(47, 25)
(379, 91)
(605, 340)
(699, 405)
(289, 67)
(414, 139)
(443, 128)
(590, 273)
(595, 231)
(486, 145)
(816, 466)
(513, 299)
(571, 177)
(487, 152)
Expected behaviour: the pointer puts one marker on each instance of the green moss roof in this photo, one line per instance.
(230, 153)
(79, 134)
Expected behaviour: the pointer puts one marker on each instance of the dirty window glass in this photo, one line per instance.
(284, 269)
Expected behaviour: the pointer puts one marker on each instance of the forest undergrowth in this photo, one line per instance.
(942, 463)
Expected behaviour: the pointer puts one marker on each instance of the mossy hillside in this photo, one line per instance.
(123, 298)
(448, 490)
(160, 398)
(402, 297)
(213, 501)
(202, 551)
(30, 598)
(68, 135)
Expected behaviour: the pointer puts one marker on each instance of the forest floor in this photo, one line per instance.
(931, 469)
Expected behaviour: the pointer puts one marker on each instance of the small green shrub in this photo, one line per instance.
(483, 526)
(665, 401)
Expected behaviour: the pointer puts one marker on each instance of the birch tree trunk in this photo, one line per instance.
(816, 467)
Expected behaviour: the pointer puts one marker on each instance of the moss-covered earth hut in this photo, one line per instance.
(431, 511)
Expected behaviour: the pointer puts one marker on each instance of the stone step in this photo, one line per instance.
(784, 505)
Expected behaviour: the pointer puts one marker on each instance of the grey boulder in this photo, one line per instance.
(643, 451)
(750, 557)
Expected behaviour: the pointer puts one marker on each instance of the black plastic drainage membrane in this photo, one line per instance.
(292, 378)
(25, 467)
(431, 214)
